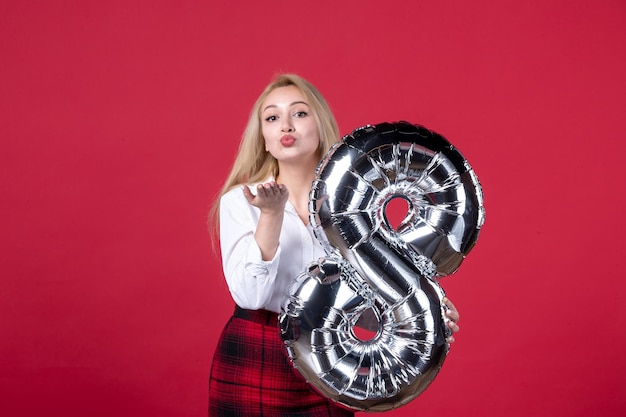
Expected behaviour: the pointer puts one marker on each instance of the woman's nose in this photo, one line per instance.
(287, 127)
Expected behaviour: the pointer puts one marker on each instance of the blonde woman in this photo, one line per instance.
(266, 241)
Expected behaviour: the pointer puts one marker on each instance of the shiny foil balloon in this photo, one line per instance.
(365, 325)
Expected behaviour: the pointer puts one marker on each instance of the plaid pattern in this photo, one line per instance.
(251, 374)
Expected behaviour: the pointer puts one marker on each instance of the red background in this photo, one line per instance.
(119, 120)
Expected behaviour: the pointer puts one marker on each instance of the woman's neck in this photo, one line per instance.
(298, 180)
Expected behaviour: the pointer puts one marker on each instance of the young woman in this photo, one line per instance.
(266, 241)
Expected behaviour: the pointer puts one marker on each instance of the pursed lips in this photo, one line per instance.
(287, 140)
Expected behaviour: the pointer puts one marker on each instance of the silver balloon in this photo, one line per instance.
(365, 325)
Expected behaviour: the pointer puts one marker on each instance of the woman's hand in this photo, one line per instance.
(270, 197)
(453, 318)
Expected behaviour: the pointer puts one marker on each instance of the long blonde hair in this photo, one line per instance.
(252, 163)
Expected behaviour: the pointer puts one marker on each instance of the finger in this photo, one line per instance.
(453, 326)
(449, 303)
(247, 193)
(269, 188)
(263, 189)
(451, 312)
(452, 315)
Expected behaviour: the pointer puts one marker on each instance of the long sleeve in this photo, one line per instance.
(249, 278)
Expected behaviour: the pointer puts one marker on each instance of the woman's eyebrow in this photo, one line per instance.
(269, 106)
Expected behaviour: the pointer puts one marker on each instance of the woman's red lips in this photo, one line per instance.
(287, 140)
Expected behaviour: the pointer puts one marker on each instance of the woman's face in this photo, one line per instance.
(289, 127)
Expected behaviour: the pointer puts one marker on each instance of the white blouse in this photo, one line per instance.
(254, 283)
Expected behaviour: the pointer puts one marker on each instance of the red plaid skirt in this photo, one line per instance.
(251, 374)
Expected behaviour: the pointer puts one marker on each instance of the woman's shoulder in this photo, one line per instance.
(233, 195)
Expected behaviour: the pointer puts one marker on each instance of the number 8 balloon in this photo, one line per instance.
(365, 325)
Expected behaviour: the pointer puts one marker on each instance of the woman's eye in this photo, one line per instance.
(270, 118)
(300, 114)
